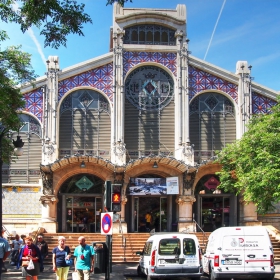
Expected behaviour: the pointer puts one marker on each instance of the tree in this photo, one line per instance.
(15, 68)
(56, 19)
(121, 2)
(251, 165)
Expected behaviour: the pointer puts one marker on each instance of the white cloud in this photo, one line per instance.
(38, 46)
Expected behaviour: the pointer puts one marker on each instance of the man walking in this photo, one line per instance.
(84, 259)
(4, 251)
(16, 245)
(43, 246)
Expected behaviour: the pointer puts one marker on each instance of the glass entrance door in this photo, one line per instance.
(82, 214)
(156, 207)
(215, 211)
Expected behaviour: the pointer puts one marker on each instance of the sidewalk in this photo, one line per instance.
(120, 271)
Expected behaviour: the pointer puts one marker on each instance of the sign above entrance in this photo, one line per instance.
(153, 186)
(212, 184)
(84, 184)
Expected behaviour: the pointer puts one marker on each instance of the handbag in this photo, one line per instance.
(30, 265)
(69, 262)
(75, 276)
(25, 263)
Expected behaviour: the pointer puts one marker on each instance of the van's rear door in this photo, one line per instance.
(232, 251)
(258, 250)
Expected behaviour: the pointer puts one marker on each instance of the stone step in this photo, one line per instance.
(133, 242)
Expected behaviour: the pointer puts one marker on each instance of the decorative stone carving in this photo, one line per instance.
(184, 199)
(48, 149)
(48, 199)
(188, 179)
(47, 182)
(119, 148)
(188, 149)
(124, 199)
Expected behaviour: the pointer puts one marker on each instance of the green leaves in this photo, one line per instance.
(251, 165)
(56, 19)
(121, 2)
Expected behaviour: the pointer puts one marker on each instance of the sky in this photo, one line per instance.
(221, 32)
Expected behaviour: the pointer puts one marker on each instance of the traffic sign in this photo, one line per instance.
(107, 223)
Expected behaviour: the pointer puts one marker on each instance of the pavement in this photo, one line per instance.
(120, 271)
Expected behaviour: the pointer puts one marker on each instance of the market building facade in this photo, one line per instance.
(147, 116)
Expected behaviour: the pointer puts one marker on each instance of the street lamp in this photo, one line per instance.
(18, 144)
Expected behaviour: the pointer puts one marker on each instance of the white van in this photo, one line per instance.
(239, 253)
(171, 255)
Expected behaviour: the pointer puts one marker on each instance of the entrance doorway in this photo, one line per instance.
(215, 211)
(157, 207)
(81, 213)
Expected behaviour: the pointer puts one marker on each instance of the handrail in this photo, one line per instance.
(6, 232)
(203, 232)
(38, 232)
(123, 237)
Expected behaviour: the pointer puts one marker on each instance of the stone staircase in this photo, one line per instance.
(133, 242)
(276, 248)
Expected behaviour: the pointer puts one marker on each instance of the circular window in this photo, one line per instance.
(149, 88)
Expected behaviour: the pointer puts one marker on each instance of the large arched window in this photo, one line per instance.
(26, 168)
(149, 112)
(149, 34)
(212, 124)
(84, 124)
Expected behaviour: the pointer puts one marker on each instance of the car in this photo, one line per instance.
(171, 255)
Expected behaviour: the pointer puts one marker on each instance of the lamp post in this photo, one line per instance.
(18, 144)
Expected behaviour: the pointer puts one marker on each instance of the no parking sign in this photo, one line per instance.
(107, 223)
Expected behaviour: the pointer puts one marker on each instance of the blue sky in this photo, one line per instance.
(246, 30)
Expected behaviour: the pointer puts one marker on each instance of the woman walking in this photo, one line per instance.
(27, 253)
(60, 254)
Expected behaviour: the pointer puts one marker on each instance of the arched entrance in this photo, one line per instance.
(80, 204)
(148, 195)
(213, 207)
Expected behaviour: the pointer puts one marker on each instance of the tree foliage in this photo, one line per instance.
(121, 2)
(15, 68)
(55, 18)
(251, 165)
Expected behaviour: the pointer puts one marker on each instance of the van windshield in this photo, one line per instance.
(169, 246)
(189, 246)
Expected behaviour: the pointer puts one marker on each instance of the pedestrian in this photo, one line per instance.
(148, 218)
(43, 246)
(30, 252)
(60, 254)
(4, 251)
(16, 245)
(84, 259)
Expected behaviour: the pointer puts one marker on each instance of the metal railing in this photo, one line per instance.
(35, 234)
(195, 224)
(123, 238)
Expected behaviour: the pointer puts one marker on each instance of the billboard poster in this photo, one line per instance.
(172, 185)
(153, 186)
